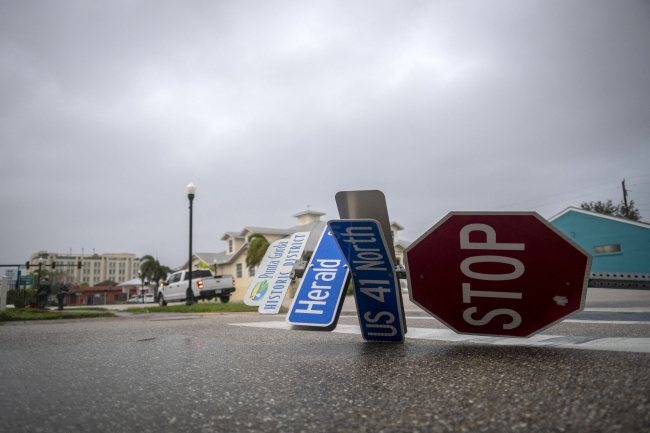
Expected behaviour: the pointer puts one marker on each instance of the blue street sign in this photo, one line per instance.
(375, 284)
(321, 291)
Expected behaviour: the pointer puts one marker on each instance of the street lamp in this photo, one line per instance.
(191, 189)
(40, 265)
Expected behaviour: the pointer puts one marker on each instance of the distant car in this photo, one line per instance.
(136, 298)
(204, 286)
(148, 297)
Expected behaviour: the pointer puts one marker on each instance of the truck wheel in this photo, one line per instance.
(161, 301)
(224, 299)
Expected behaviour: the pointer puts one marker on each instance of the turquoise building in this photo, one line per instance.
(617, 245)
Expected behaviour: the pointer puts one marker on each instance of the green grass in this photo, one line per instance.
(19, 314)
(196, 308)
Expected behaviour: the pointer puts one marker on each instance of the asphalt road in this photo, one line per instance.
(203, 373)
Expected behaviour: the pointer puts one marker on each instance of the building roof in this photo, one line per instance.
(134, 282)
(231, 234)
(308, 227)
(266, 231)
(402, 243)
(397, 225)
(106, 283)
(599, 215)
(209, 258)
(308, 212)
(104, 288)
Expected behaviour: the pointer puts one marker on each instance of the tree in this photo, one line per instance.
(257, 246)
(152, 270)
(607, 208)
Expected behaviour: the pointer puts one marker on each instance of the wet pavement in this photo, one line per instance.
(201, 373)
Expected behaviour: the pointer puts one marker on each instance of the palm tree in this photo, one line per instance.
(257, 246)
(152, 270)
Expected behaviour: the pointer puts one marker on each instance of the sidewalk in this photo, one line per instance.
(618, 300)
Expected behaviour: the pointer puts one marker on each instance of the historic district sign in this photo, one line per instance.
(502, 274)
(270, 284)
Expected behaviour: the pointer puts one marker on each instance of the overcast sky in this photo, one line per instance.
(108, 109)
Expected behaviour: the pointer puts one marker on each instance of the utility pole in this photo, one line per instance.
(624, 193)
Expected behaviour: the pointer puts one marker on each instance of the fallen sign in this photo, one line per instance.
(501, 274)
(270, 284)
(376, 288)
(318, 301)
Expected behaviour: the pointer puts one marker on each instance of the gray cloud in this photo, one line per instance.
(108, 109)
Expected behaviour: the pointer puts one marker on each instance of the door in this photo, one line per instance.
(89, 300)
(173, 290)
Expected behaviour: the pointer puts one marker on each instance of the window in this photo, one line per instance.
(251, 272)
(111, 272)
(97, 264)
(95, 279)
(201, 273)
(239, 270)
(608, 249)
(229, 246)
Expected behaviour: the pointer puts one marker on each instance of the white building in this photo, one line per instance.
(94, 269)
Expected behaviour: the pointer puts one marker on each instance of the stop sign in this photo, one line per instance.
(502, 274)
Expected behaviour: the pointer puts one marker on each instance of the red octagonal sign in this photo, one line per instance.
(503, 274)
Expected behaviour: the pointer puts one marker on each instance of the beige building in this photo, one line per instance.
(94, 269)
(232, 261)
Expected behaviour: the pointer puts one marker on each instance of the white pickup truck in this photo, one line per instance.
(204, 285)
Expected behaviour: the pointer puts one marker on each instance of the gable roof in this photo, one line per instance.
(265, 231)
(599, 215)
(106, 283)
(231, 234)
(403, 244)
(209, 258)
(397, 225)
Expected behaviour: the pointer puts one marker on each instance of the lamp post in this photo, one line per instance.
(215, 267)
(191, 189)
(40, 266)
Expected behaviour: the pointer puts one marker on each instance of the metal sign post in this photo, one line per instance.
(4, 287)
